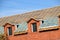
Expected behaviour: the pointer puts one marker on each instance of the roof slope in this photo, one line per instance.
(43, 14)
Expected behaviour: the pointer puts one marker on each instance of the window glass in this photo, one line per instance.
(34, 26)
(10, 30)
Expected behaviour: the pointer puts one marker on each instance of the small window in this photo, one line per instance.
(34, 27)
(42, 21)
(17, 26)
(10, 30)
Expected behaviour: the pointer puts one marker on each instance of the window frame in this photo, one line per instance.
(34, 29)
(9, 32)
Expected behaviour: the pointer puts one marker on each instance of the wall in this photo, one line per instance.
(50, 35)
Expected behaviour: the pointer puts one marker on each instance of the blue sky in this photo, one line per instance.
(13, 7)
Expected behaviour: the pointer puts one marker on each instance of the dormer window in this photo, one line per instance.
(34, 27)
(9, 30)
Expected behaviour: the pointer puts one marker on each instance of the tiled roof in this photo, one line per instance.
(50, 22)
(39, 14)
(22, 27)
(1, 30)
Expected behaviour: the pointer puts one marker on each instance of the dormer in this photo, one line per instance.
(33, 25)
(9, 29)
